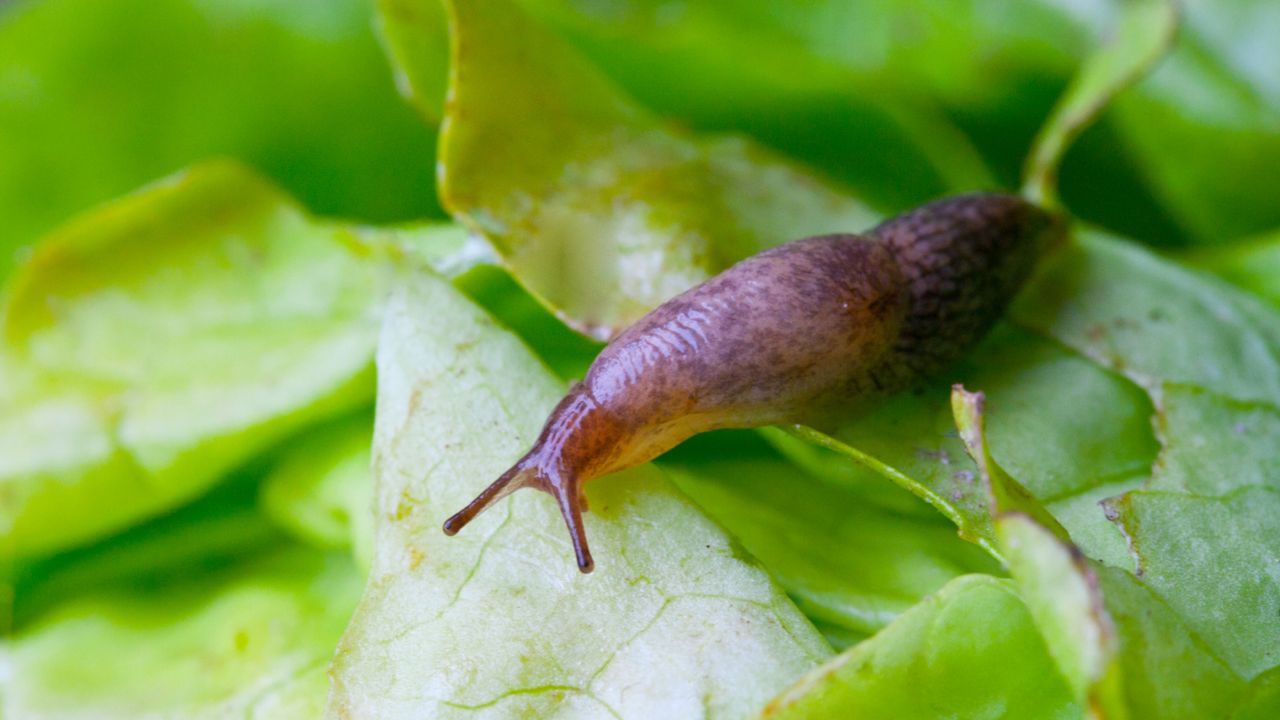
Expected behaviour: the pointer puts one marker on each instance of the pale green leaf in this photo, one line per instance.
(1214, 560)
(848, 562)
(157, 342)
(321, 488)
(1062, 594)
(598, 208)
(498, 621)
(251, 640)
(969, 651)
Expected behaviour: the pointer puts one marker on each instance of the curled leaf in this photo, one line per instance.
(598, 208)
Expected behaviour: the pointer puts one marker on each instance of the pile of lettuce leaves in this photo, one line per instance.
(287, 282)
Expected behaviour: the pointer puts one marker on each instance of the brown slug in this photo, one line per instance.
(820, 325)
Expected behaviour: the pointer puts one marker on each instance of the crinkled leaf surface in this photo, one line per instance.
(1214, 559)
(847, 562)
(1123, 651)
(98, 97)
(1129, 310)
(155, 343)
(1203, 531)
(598, 208)
(940, 659)
(251, 640)
(498, 621)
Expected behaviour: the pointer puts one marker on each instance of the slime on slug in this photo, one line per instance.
(792, 335)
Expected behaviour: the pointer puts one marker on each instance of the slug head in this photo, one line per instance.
(565, 455)
(568, 496)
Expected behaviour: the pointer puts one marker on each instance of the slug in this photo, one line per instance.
(816, 327)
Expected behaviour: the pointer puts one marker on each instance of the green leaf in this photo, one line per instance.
(1062, 594)
(1069, 449)
(416, 35)
(1124, 653)
(1143, 34)
(156, 343)
(1143, 316)
(1210, 558)
(1252, 265)
(705, 67)
(1213, 446)
(1263, 700)
(219, 529)
(599, 209)
(1200, 533)
(1202, 128)
(321, 489)
(97, 98)
(848, 563)
(251, 640)
(1116, 671)
(1203, 530)
(940, 659)
(498, 618)
(1004, 494)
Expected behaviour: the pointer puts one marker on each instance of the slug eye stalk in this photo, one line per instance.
(568, 496)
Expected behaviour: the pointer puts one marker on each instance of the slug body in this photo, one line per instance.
(818, 326)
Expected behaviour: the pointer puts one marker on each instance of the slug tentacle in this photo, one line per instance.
(567, 453)
(818, 327)
(510, 481)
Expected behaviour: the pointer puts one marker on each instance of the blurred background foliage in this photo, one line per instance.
(899, 101)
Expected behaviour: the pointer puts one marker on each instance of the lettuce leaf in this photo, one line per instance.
(156, 343)
(97, 98)
(321, 489)
(940, 659)
(849, 562)
(1202, 128)
(250, 640)
(1121, 650)
(498, 620)
(601, 210)
(1069, 449)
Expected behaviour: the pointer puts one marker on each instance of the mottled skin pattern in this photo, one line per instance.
(818, 326)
